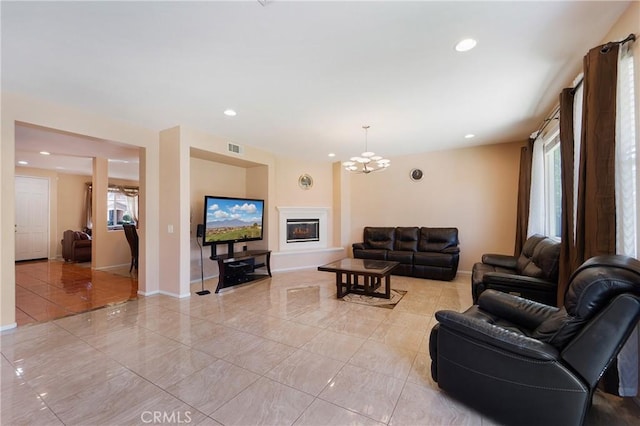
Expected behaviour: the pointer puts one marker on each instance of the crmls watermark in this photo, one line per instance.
(160, 417)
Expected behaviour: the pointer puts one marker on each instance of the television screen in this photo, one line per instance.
(232, 220)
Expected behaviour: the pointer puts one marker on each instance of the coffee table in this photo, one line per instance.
(373, 273)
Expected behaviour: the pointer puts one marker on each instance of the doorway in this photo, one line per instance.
(32, 218)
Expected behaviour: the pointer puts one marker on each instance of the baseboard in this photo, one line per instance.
(165, 293)
(8, 327)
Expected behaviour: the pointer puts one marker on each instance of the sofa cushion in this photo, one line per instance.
(379, 237)
(401, 256)
(406, 239)
(433, 259)
(437, 239)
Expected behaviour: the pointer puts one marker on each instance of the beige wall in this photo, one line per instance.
(71, 203)
(473, 189)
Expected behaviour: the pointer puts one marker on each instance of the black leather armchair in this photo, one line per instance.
(532, 275)
(522, 362)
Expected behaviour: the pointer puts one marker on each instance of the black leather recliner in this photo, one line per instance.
(522, 362)
(532, 275)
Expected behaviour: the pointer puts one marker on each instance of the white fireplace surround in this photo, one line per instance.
(321, 213)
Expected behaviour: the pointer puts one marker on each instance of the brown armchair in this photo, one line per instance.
(76, 246)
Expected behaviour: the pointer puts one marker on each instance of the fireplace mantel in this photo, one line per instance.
(285, 213)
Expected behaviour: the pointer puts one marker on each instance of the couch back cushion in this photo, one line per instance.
(543, 260)
(406, 238)
(379, 237)
(437, 239)
(527, 252)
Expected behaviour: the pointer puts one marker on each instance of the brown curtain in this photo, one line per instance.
(567, 246)
(524, 189)
(596, 210)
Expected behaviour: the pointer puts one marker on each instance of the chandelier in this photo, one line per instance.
(368, 161)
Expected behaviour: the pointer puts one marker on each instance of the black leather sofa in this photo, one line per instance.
(422, 252)
(532, 275)
(525, 363)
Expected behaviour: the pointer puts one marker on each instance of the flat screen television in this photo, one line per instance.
(231, 220)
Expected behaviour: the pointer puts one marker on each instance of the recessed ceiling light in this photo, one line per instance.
(59, 167)
(331, 154)
(466, 44)
(22, 162)
(229, 113)
(45, 153)
(469, 136)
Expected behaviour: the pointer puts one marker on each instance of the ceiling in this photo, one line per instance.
(304, 77)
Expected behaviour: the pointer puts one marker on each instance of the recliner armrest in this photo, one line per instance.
(515, 281)
(81, 243)
(359, 246)
(499, 337)
(515, 309)
(501, 260)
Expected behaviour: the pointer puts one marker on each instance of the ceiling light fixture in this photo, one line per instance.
(469, 136)
(45, 153)
(466, 45)
(368, 161)
(23, 163)
(331, 154)
(229, 113)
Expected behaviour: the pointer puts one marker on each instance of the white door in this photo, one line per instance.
(32, 218)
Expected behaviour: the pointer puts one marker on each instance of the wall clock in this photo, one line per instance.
(416, 174)
(305, 181)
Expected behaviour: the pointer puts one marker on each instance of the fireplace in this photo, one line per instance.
(303, 230)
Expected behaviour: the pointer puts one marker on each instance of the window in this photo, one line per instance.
(545, 209)
(553, 188)
(122, 206)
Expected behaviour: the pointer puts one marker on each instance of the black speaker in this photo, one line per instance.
(200, 230)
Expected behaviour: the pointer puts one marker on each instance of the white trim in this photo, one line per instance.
(321, 213)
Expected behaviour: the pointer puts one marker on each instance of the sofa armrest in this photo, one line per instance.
(518, 281)
(501, 260)
(358, 246)
(502, 338)
(515, 309)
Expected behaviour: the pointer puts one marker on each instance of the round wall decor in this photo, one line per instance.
(416, 174)
(305, 181)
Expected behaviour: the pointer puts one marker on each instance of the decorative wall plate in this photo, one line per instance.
(416, 174)
(305, 181)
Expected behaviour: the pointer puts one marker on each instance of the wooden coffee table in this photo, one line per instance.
(361, 276)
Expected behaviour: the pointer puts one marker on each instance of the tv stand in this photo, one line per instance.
(240, 268)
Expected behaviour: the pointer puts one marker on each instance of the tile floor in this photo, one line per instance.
(51, 289)
(282, 351)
